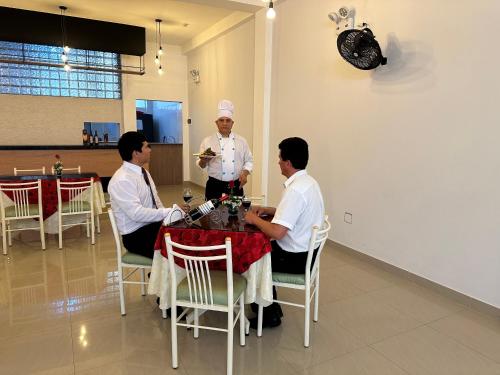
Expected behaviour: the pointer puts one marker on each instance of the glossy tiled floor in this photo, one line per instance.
(59, 314)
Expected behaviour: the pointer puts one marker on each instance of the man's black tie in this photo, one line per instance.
(146, 178)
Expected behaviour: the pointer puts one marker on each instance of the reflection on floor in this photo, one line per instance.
(59, 314)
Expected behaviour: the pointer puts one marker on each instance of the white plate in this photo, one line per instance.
(208, 156)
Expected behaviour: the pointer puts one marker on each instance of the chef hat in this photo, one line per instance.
(225, 109)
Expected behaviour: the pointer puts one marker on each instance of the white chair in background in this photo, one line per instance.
(80, 204)
(20, 209)
(129, 260)
(309, 279)
(18, 171)
(65, 170)
(203, 289)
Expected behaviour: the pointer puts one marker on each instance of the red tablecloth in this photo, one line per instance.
(247, 247)
(49, 194)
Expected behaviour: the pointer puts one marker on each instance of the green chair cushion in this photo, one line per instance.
(11, 210)
(289, 278)
(219, 287)
(66, 207)
(131, 258)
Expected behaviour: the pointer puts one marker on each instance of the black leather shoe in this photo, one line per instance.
(179, 312)
(269, 322)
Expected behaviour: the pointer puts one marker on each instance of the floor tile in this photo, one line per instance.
(424, 351)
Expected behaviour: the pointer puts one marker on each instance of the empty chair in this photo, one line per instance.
(309, 279)
(206, 289)
(18, 171)
(128, 260)
(15, 206)
(76, 199)
(66, 170)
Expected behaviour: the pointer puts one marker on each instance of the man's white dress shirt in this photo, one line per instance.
(131, 199)
(301, 207)
(235, 155)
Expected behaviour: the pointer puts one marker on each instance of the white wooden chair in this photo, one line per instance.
(18, 171)
(129, 260)
(81, 203)
(206, 289)
(21, 209)
(66, 170)
(309, 279)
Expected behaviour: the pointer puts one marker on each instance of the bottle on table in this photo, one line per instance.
(204, 209)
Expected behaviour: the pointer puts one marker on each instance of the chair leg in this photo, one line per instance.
(173, 323)
(87, 225)
(92, 229)
(143, 282)
(259, 321)
(196, 330)
(9, 234)
(242, 319)
(4, 238)
(230, 329)
(42, 233)
(60, 231)
(164, 313)
(122, 292)
(307, 317)
(98, 223)
(316, 298)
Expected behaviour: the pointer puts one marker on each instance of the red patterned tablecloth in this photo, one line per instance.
(49, 193)
(247, 247)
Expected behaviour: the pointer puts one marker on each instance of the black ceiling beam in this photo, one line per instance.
(26, 26)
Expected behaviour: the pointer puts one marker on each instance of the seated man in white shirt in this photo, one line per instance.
(135, 202)
(301, 207)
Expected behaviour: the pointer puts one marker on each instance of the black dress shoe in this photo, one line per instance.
(269, 322)
(179, 312)
(275, 308)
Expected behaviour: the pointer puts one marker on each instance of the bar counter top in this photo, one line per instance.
(103, 146)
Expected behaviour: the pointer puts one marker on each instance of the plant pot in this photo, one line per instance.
(233, 210)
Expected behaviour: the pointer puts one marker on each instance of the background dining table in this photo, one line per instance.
(251, 253)
(49, 195)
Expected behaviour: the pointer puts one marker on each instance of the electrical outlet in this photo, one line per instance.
(348, 217)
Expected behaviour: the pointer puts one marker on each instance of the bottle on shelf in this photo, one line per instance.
(96, 139)
(204, 209)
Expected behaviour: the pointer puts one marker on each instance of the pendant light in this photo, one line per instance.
(271, 13)
(159, 48)
(65, 48)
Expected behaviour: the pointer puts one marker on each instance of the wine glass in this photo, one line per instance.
(246, 202)
(187, 195)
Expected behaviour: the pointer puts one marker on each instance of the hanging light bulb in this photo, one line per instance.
(67, 49)
(160, 51)
(157, 60)
(67, 67)
(160, 70)
(271, 13)
(64, 58)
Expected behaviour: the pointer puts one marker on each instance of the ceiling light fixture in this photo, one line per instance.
(271, 13)
(159, 48)
(65, 48)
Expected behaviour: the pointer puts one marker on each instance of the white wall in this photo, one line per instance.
(48, 120)
(171, 86)
(226, 72)
(411, 149)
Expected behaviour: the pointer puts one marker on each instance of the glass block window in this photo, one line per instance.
(24, 79)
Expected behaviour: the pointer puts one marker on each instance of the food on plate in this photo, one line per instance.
(208, 152)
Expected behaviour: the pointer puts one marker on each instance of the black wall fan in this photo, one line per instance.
(356, 45)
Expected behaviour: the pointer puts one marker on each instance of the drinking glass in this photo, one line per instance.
(187, 195)
(246, 202)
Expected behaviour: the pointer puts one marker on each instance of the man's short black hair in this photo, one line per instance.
(295, 150)
(130, 142)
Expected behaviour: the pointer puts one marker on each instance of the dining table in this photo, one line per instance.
(49, 196)
(251, 253)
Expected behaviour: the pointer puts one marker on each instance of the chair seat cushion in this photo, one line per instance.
(219, 287)
(131, 258)
(289, 278)
(11, 211)
(84, 207)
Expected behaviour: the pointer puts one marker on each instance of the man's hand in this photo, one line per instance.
(259, 210)
(243, 177)
(251, 217)
(204, 161)
(185, 207)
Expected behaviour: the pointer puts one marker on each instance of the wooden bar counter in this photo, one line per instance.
(165, 166)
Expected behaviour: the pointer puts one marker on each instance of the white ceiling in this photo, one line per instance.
(198, 15)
